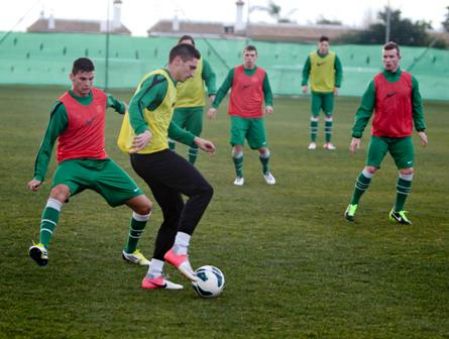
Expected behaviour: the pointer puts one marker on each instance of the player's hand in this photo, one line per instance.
(141, 141)
(34, 185)
(423, 137)
(212, 113)
(336, 91)
(205, 145)
(268, 109)
(355, 144)
(211, 98)
(305, 89)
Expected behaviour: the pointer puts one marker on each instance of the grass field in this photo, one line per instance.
(294, 267)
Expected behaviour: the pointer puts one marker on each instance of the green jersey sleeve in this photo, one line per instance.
(418, 108)
(117, 105)
(209, 78)
(268, 94)
(224, 88)
(56, 125)
(364, 111)
(306, 72)
(150, 95)
(338, 72)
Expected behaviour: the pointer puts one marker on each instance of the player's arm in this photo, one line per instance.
(221, 93)
(305, 74)
(210, 79)
(364, 111)
(338, 73)
(117, 105)
(182, 135)
(56, 125)
(418, 112)
(268, 95)
(150, 95)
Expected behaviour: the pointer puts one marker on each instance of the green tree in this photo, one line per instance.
(445, 23)
(402, 31)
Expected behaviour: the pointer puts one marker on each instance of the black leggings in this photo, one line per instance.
(169, 175)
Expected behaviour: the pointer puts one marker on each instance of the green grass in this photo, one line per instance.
(294, 267)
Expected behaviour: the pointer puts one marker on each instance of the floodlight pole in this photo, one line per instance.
(388, 23)
(106, 63)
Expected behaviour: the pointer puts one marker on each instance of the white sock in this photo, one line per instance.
(156, 268)
(182, 242)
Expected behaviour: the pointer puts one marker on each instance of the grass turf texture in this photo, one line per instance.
(294, 267)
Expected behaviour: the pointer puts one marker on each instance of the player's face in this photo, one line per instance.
(249, 59)
(391, 59)
(185, 69)
(323, 47)
(82, 83)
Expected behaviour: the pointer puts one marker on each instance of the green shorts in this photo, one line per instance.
(401, 150)
(322, 101)
(103, 176)
(251, 129)
(189, 118)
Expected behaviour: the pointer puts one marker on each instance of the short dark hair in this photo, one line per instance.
(186, 37)
(324, 38)
(83, 65)
(250, 48)
(185, 52)
(392, 45)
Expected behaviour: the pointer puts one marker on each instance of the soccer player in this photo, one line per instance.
(144, 135)
(394, 97)
(325, 72)
(190, 100)
(250, 86)
(77, 121)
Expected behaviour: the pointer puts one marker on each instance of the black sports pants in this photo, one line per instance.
(169, 175)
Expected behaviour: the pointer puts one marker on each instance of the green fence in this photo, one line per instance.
(33, 58)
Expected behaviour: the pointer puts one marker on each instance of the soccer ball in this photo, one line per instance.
(210, 281)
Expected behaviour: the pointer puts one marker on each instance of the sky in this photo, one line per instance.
(140, 15)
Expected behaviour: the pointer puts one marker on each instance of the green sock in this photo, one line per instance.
(193, 154)
(328, 130)
(313, 130)
(265, 159)
(49, 220)
(238, 164)
(361, 185)
(403, 188)
(136, 228)
(171, 145)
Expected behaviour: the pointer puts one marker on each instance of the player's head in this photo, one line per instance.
(249, 56)
(82, 76)
(186, 39)
(391, 56)
(182, 61)
(323, 45)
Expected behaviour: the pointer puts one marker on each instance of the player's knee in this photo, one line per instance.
(328, 118)
(145, 207)
(60, 193)
(371, 169)
(314, 118)
(407, 171)
(237, 152)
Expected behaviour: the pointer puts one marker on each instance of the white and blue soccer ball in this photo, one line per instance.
(210, 281)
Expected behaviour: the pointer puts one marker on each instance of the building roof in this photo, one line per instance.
(74, 26)
(258, 31)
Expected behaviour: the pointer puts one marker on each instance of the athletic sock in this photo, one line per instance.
(193, 154)
(265, 159)
(50, 217)
(313, 130)
(156, 268)
(238, 164)
(328, 130)
(181, 245)
(403, 188)
(136, 228)
(361, 185)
